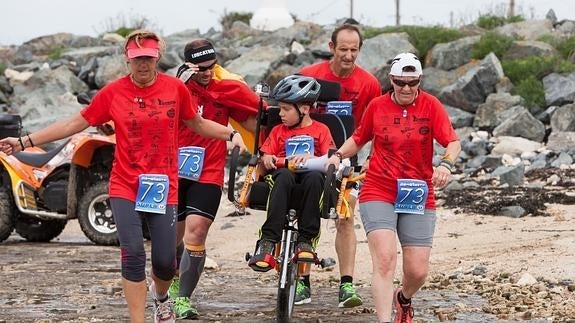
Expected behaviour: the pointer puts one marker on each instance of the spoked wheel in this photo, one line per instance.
(287, 280)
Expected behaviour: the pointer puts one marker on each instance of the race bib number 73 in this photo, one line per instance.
(190, 162)
(299, 145)
(152, 193)
(411, 196)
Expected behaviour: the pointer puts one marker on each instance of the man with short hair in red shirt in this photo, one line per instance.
(360, 87)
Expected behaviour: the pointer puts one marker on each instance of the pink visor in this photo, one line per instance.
(148, 47)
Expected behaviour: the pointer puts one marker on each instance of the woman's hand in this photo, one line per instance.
(10, 145)
(441, 176)
(334, 159)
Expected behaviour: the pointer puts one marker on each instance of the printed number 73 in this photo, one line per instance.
(159, 191)
(306, 148)
(418, 194)
(195, 162)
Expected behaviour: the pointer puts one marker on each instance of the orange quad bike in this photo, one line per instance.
(41, 190)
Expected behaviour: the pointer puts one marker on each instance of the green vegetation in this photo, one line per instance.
(565, 47)
(424, 38)
(536, 66)
(56, 53)
(527, 74)
(2, 68)
(228, 18)
(491, 42)
(491, 21)
(532, 91)
(123, 25)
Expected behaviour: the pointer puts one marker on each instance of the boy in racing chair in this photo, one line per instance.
(298, 138)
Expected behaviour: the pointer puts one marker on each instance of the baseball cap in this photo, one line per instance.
(147, 47)
(401, 63)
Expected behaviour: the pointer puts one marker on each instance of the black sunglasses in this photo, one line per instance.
(401, 83)
(205, 68)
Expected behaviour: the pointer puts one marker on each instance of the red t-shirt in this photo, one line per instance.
(402, 146)
(146, 122)
(360, 87)
(219, 101)
(276, 141)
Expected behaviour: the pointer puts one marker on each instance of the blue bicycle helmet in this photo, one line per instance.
(296, 89)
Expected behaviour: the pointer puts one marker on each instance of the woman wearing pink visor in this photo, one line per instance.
(146, 107)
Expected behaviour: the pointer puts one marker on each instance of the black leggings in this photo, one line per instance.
(162, 229)
(280, 200)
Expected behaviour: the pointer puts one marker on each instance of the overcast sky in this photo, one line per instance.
(22, 20)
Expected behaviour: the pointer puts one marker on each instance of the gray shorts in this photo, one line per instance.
(412, 229)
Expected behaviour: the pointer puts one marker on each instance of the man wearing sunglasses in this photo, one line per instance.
(224, 98)
(397, 198)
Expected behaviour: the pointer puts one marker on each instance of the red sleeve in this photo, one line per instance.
(364, 132)
(235, 95)
(189, 104)
(98, 111)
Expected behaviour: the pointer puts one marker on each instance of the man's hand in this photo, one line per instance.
(238, 141)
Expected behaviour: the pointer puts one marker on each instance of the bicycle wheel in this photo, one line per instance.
(287, 281)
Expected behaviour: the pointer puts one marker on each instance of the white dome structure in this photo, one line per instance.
(272, 15)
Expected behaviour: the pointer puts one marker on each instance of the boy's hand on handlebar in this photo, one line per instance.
(300, 159)
(269, 161)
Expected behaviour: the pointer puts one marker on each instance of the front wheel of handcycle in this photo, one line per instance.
(287, 278)
(286, 293)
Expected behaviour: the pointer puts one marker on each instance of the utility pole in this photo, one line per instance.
(351, 8)
(397, 20)
(511, 11)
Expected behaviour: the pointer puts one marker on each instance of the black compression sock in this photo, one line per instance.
(402, 300)
(346, 279)
(305, 280)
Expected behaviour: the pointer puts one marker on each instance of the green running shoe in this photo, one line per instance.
(174, 290)
(348, 297)
(183, 308)
(302, 294)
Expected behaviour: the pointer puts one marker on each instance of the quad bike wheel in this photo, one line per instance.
(36, 230)
(95, 215)
(7, 215)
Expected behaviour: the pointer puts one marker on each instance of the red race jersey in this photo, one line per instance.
(360, 87)
(402, 144)
(146, 123)
(219, 101)
(276, 141)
